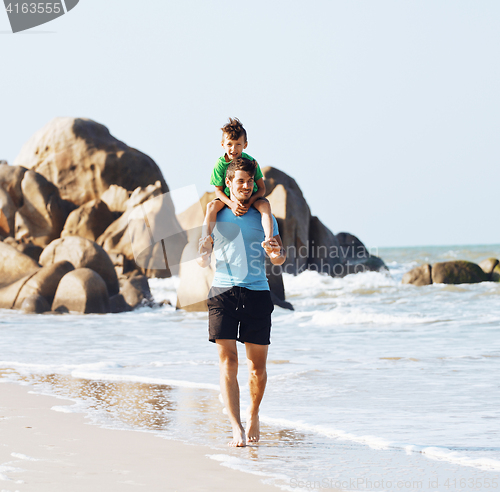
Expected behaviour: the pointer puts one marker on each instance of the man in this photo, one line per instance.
(239, 301)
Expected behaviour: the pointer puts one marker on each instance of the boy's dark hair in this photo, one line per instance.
(234, 129)
(241, 164)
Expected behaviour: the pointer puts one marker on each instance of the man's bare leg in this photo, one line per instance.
(228, 365)
(257, 378)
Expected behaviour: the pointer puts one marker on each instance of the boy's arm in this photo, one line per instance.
(259, 193)
(219, 193)
(237, 208)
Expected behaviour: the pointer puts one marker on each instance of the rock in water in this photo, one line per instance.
(82, 253)
(83, 159)
(43, 283)
(35, 305)
(82, 291)
(457, 272)
(420, 275)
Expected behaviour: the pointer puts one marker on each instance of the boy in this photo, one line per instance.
(234, 141)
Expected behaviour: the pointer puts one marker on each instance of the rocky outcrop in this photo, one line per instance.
(81, 291)
(116, 198)
(420, 275)
(41, 217)
(457, 272)
(10, 181)
(82, 159)
(147, 235)
(42, 282)
(82, 253)
(309, 244)
(88, 221)
(355, 258)
(14, 265)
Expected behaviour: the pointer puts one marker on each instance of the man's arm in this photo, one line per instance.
(275, 245)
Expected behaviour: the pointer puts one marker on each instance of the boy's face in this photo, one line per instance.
(241, 185)
(233, 148)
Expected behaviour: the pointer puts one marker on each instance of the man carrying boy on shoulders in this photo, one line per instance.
(239, 301)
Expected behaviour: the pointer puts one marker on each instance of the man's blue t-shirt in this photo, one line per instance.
(240, 258)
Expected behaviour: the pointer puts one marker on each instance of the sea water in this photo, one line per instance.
(372, 384)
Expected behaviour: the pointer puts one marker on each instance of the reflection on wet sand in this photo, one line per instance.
(189, 414)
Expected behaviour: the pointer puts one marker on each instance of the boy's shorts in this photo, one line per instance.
(240, 314)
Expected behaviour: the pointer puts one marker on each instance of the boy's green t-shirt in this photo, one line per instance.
(219, 173)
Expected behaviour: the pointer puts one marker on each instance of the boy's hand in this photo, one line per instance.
(272, 248)
(239, 208)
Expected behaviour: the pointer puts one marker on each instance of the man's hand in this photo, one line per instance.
(239, 208)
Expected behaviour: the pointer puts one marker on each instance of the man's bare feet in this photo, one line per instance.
(239, 438)
(253, 428)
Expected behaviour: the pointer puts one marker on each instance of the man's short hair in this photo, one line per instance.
(241, 164)
(234, 129)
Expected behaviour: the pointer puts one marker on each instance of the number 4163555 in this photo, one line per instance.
(33, 8)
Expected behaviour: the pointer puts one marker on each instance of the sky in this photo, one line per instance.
(385, 112)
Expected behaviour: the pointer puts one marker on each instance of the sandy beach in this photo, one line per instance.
(46, 450)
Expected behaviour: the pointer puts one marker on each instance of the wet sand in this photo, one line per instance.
(44, 450)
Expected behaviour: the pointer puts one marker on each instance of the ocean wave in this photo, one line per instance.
(439, 453)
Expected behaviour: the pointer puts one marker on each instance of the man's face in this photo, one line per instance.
(241, 186)
(233, 148)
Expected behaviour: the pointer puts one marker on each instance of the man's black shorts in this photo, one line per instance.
(238, 307)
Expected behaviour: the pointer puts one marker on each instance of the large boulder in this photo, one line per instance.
(43, 283)
(323, 249)
(43, 213)
(457, 272)
(10, 181)
(7, 214)
(82, 253)
(420, 275)
(135, 291)
(83, 159)
(148, 233)
(14, 265)
(292, 213)
(355, 257)
(89, 221)
(81, 291)
(488, 266)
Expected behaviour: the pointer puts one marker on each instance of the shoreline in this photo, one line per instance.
(44, 450)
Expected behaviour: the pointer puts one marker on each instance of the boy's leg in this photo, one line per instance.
(213, 208)
(264, 208)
